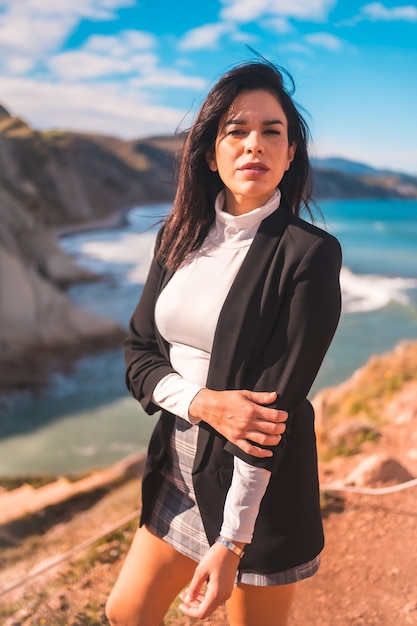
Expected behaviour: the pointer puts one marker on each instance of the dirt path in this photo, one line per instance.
(369, 566)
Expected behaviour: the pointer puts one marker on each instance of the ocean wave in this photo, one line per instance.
(132, 252)
(369, 292)
(128, 255)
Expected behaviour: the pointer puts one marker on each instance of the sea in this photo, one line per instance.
(85, 419)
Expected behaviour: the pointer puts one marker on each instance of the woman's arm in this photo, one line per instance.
(147, 362)
(240, 416)
(243, 417)
(305, 327)
(217, 569)
(243, 500)
(248, 482)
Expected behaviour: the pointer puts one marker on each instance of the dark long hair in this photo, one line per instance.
(193, 211)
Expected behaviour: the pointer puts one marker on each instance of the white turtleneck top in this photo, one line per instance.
(186, 315)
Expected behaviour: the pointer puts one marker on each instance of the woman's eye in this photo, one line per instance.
(236, 132)
(272, 131)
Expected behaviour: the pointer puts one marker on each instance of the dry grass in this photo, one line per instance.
(358, 405)
(375, 384)
(75, 591)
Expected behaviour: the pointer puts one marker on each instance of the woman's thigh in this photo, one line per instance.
(152, 576)
(252, 606)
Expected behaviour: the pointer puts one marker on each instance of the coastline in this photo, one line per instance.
(29, 368)
(116, 219)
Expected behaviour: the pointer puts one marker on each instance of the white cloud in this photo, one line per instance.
(18, 65)
(325, 40)
(128, 53)
(93, 9)
(127, 56)
(275, 14)
(118, 45)
(83, 65)
(377, 11)
(169, 78)
(19, 34)
(102, 108)
(244, 11)
(203, 37)
(29, 29)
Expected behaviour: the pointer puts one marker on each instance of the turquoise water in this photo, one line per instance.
(85, 419)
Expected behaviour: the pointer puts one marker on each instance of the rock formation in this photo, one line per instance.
(49, 180)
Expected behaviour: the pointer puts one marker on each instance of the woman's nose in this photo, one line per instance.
(253, 144)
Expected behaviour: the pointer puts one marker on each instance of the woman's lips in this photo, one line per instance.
(256, 169)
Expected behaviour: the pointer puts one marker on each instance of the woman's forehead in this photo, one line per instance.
(260, 102)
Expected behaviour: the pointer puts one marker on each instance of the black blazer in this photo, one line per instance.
(272, 334)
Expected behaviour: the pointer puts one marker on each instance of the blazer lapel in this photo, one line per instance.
(229, 348)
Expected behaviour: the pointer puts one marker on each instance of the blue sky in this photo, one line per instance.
(135, 68)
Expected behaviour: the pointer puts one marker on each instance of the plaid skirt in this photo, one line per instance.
(176, 517)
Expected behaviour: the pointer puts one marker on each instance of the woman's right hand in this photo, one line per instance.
(212, 583)
(242, 417)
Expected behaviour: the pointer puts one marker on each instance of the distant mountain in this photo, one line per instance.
(343, 179)
(63, 177)
(343, 165)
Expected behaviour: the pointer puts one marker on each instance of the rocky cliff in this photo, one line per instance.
(50, 180)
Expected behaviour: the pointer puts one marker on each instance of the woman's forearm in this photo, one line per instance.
(249, 483)
(175, 394)
(243, 500)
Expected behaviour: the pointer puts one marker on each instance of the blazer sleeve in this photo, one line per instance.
(146, 357)
(302, 333)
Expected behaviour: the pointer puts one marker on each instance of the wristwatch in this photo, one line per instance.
(230, 545)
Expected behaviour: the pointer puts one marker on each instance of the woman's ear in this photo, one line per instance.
(291, 153)
(211, 161)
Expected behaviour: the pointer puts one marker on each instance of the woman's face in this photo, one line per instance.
(251, 150)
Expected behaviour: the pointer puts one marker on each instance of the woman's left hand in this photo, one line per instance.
(212, 583)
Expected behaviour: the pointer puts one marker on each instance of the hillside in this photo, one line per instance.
(52, 180)
(65, 178)
(342, 185)
(368, 567)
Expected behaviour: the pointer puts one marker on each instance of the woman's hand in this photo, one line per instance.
(242, 417)
(212, 583)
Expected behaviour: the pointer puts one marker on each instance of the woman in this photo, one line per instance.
(239, 308)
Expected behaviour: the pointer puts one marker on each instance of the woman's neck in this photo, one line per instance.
(239, 205)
